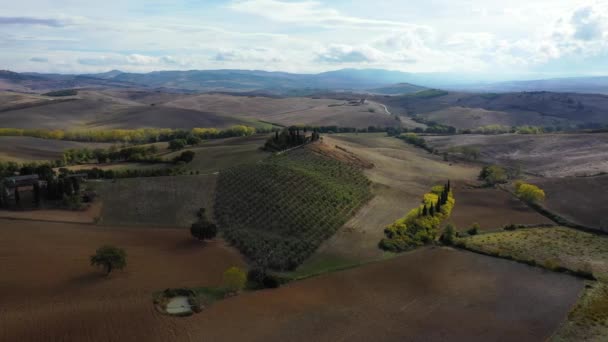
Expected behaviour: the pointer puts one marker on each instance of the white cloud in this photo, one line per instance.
(307, 13)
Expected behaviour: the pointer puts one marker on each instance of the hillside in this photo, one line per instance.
(277, 212)
(397, 89)
(465, 110)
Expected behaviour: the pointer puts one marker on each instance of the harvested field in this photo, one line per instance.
(558, 247)
(90, 215)
(459, 296)
(549, 155)
(291, 111)
(156, 201)
(96, 110)
(53, 293)
(490, 208)
(464, 117)
(577, 198)
(22, 149)
(11, 100)
(400, 176)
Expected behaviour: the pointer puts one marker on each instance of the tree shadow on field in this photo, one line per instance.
(89, 279)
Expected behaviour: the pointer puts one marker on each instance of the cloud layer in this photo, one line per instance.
(477, 37)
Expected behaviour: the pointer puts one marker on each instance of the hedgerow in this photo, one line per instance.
(279, 211)
(421, 225)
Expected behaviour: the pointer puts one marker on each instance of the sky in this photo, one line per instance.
(489, 39)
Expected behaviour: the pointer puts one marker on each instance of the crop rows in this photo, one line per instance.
(278, 212)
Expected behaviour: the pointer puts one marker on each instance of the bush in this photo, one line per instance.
(448, 235)
(110, 258)
(177, 144)
(493, 174)
(234, 279)
(474, 229)
(184, 157)
(529, 193)
(510, 227)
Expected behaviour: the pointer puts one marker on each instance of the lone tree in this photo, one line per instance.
(203, 229)
(234, 279)
(110, 258)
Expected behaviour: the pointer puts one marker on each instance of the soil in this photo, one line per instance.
(491, 208)
(53, 293)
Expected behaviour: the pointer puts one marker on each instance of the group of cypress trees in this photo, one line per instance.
(290, 137)
(436, 207)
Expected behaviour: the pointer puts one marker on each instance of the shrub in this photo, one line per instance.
(448, 235)
(493, 174)
(234, 279)
(177, 144)
(184, 157)
(529, 193)
(510, 227)
(110, 258)
(474, 229)
(203, 229)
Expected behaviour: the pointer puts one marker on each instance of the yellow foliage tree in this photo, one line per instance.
(234, 279)
(529, 192)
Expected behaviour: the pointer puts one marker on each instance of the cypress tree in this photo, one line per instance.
(432, 210)
(424, 210)
(438, 206)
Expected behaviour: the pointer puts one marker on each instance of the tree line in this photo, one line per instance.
(134, 136)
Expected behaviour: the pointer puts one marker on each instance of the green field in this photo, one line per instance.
(155, 201)
(279, 211)
(555, 248)
(214, 155)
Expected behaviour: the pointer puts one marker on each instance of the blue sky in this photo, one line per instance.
(486, 39)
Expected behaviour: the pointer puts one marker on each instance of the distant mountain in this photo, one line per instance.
(215, 80)
(589, 85)
(282, 83)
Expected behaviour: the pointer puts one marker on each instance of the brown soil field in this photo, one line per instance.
(400, 176)
(464, 117)
(291, 111)
(49, 292)
(73, 216)
(11, 100)
(61, 115)
(156, 201)
(578, 199)
(21, 149)
(549, 155)
(490, 208)
(458, 295)
(99, 110)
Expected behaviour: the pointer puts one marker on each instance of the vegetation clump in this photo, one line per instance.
(203, 229)
(493, 174)
(290, 137)
(421, 225)
(234, 280)
(529, 193)
(110, 258)
(278, 211)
